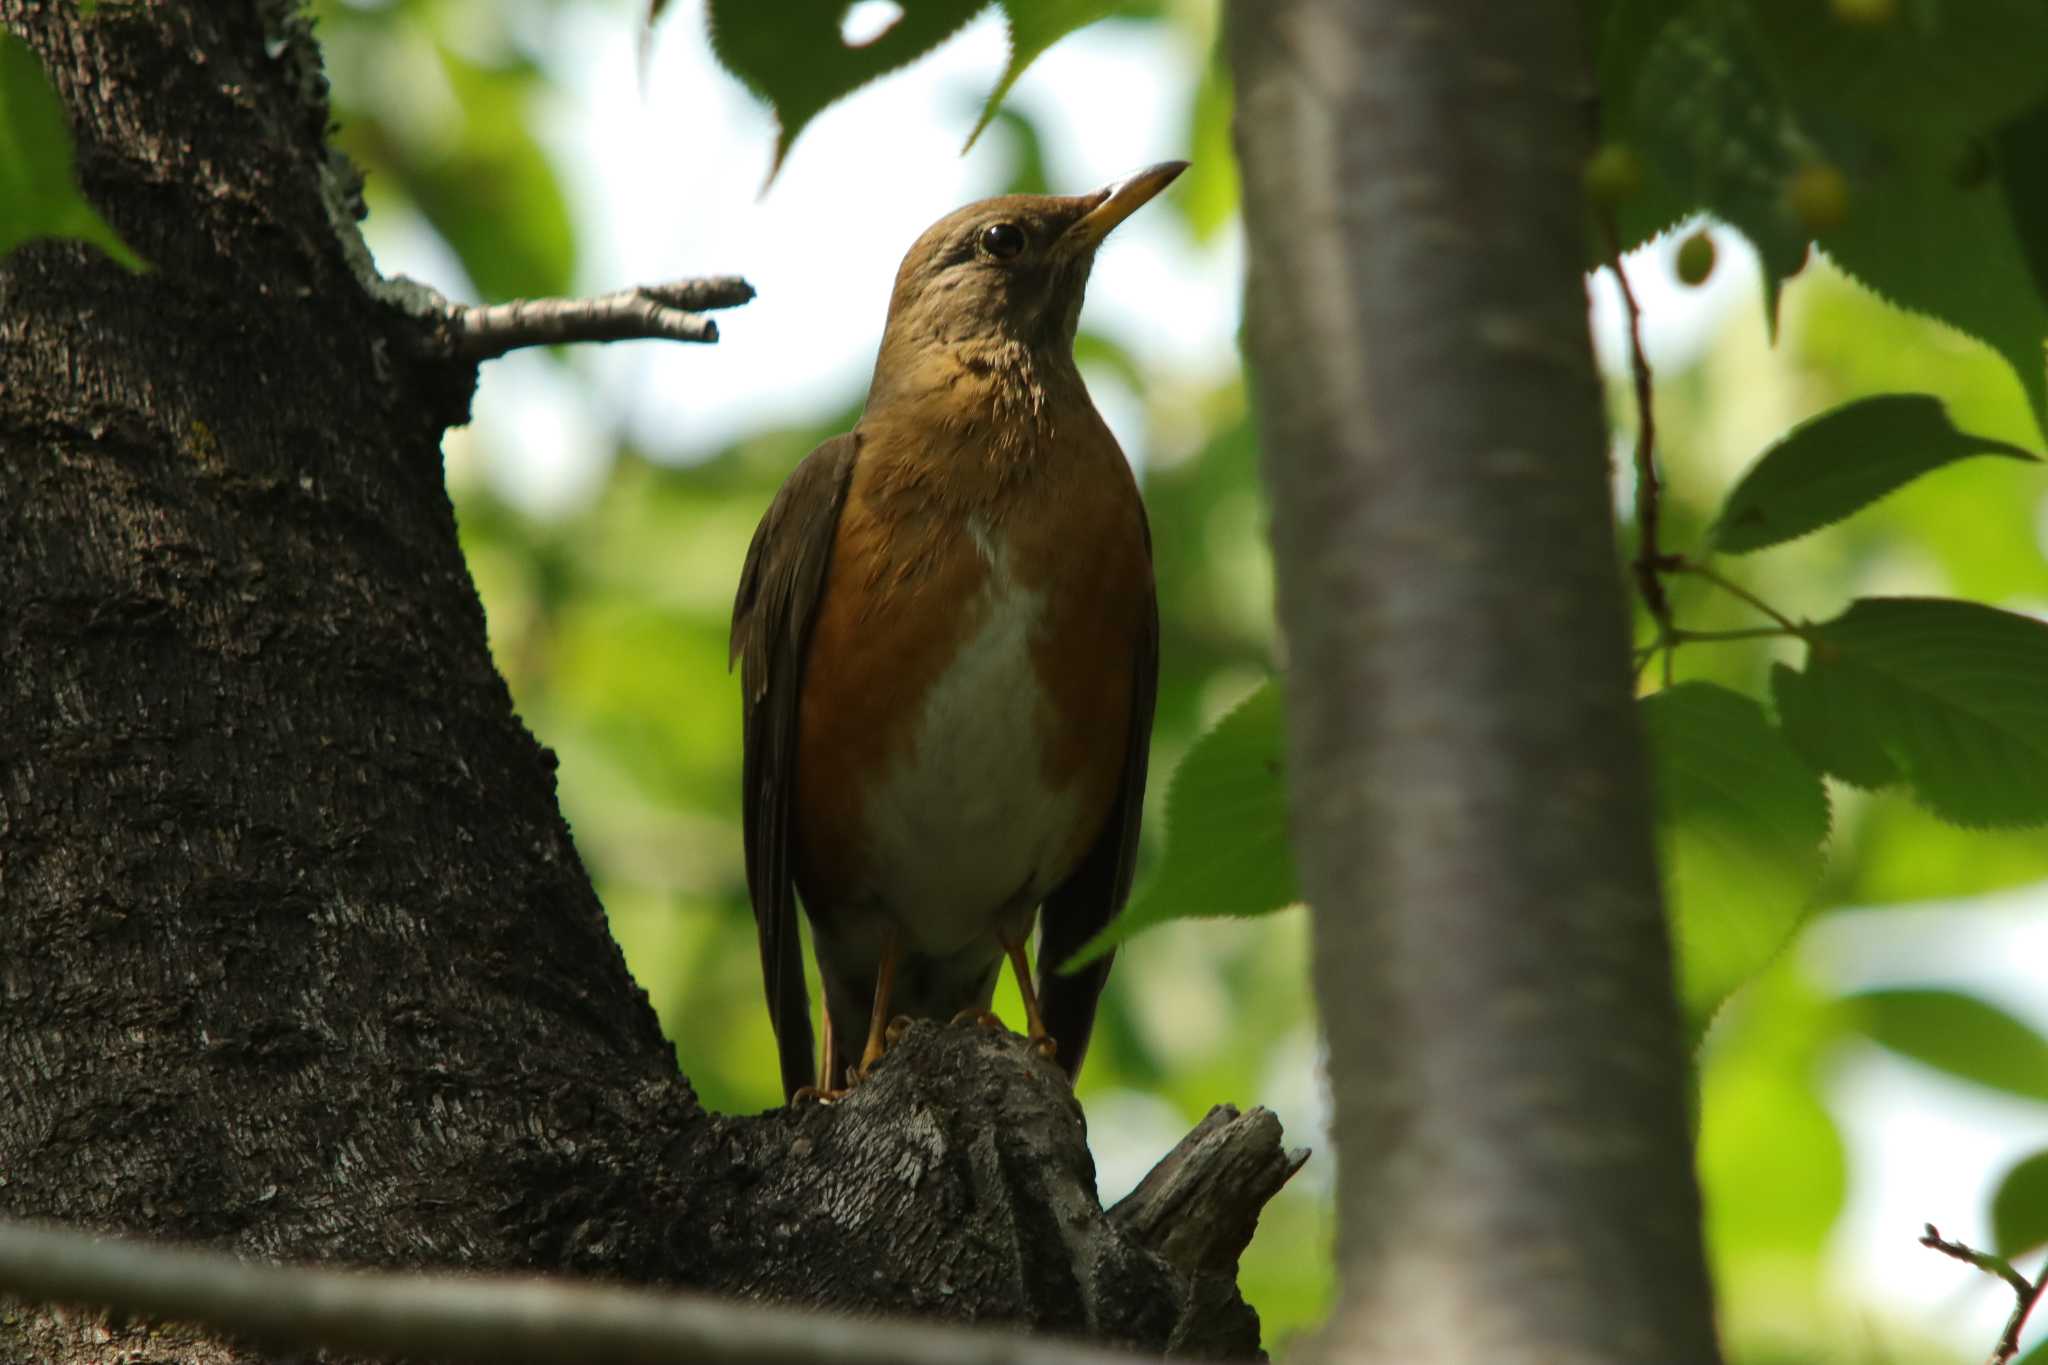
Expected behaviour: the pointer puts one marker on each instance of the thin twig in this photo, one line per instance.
(1785, 623)
(671, 312)
(474, 1317)
(1650, 561)
(2026, 1292)
(1680, 635)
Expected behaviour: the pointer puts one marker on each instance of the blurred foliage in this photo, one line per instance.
(439, 103)
(1740, 823)
(1227, 850)
(38, 195)
(609, 618)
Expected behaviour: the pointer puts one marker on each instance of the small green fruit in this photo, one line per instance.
(1818, 195)
(1613, 174)
(1696, 259)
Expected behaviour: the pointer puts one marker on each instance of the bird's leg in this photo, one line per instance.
(1034, 1022)
(825, 1076)
(878, 1017)
(823, 1091)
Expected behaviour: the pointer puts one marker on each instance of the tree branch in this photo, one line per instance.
(1650, 559)
(484, 1318)
(1200, 1205)
(666, 312)
(2027, 1293)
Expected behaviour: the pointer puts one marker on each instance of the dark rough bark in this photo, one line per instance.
(1469, 793)
(297, 959)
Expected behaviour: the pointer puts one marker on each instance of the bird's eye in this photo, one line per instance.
(1002, 241)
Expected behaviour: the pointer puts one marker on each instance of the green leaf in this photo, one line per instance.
(1227, 851)
(1951, 697)
(1740, 823)
(1927, 237)
(1209, 192)
(1906, 110)
(1831, 465)
(790, 53)
(1937, 70)
(1036, 25)
(1898, 852)
(1771, 1160)
(1962, 1035)
(1715, 129)
(38, 193)
(2019, 1208)
(1875, 139)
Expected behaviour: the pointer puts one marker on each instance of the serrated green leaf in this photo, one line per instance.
(38, 193)
(1907, 111)
(1951, 697)
(1838, 742)
(1227, 850)
(1968, 1038)
(2019, 1208)
(1715, 129)
(791, 53)
(1623, 31)
(1831, 465)
(1741, 822)
(1036, 25)
(1924, 236)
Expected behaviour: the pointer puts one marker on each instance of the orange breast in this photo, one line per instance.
(973, 650)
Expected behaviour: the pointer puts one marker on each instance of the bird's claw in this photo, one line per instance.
(811, 1094)
(987, 1019)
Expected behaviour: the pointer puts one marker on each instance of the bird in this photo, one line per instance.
(947, 632)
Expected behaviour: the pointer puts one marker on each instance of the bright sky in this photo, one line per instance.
(667, 183)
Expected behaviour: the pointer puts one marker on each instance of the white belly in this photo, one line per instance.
(964, 829)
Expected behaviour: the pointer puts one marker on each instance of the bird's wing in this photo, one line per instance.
(1098, 888)
(771, 628)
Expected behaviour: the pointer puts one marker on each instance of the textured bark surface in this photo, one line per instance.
(297, 959)
(1470, 801)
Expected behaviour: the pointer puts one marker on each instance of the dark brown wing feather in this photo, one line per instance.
(771, 629)
(1091, 897)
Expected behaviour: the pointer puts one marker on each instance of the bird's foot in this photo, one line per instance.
(987, 1019)
(811, 1094)
(893, 1035)
(1046, 1047)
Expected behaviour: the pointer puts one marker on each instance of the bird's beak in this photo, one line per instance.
(1114, 203)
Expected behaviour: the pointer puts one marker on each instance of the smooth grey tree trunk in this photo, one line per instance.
(1470, 801)
(297, 959)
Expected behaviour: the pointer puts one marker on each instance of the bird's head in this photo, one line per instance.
(1012, 269)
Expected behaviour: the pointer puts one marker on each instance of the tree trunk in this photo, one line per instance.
(297, 959)
(1470, 805)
